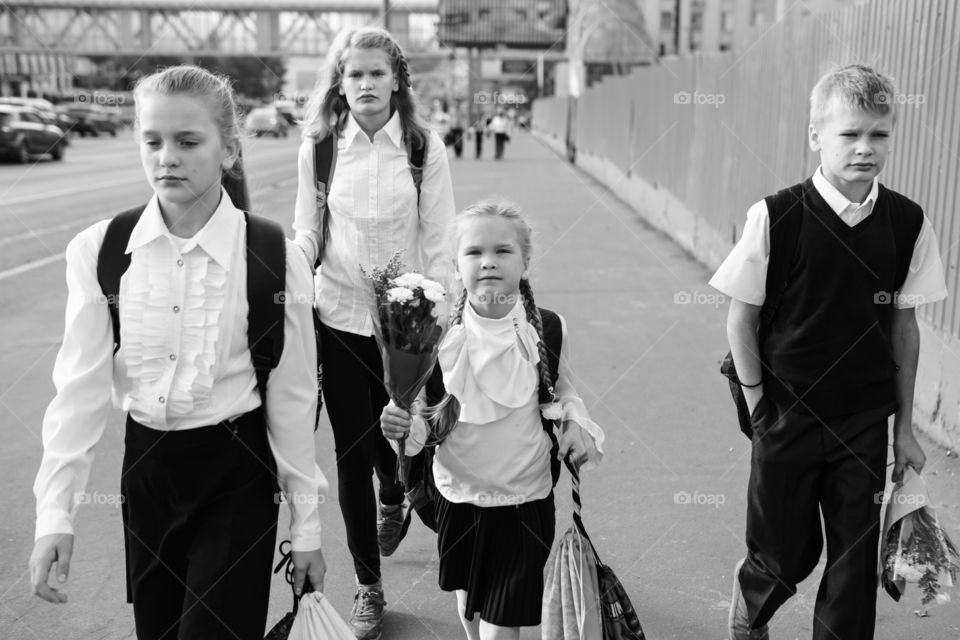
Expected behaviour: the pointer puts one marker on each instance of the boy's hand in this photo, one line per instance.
(576, 442)
(308, 564)
(394, 422)
(906, 452)
(57, 547)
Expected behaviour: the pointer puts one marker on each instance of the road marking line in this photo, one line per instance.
(93, 186)
(30, 266)
(29, 235)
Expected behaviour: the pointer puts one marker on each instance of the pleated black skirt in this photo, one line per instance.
(496, 555)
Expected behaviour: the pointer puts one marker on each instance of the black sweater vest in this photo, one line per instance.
(829, 346)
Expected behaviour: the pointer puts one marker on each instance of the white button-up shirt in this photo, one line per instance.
(743, 274)
(373, 213)
(184, 360)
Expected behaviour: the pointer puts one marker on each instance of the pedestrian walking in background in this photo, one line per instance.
(836, 355)
(496, 467)
(500, 128)
(205, 443)
(375, 207)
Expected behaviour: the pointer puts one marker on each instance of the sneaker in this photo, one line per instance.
(366, 617)
(738, 621)
(389, 527)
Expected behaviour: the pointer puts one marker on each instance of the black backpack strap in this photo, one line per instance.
(785, 210)
(553, 339)
(266, 295)
(416, 157)
(906, 218)
(113, 261)
(324, 164)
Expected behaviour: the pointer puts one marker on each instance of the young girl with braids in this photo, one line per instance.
(373, 210)
(495, 507)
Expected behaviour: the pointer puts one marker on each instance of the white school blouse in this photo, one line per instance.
(499, 454)
(183, 362)
(373, 213)
(743, 274)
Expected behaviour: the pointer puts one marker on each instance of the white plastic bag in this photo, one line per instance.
(318, 620)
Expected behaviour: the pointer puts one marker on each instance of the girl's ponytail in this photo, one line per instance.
(546, 392)
(234, 182)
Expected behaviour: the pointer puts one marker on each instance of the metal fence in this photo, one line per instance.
(720, 131)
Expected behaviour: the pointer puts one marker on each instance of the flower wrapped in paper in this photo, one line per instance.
(408, 330)
(915, 549)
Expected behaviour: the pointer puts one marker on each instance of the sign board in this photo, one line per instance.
(527, 24)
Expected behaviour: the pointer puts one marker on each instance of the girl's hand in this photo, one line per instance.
(906, 453)
(308, 564)
(394, 422)
(57, 547)
(576, 442)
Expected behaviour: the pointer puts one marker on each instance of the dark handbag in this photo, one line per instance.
(281, 630)
(729, 371)
(617, 615)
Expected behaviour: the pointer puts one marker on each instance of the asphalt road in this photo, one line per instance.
(666, 508)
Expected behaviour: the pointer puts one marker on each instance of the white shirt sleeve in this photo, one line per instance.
(306, 218)
(573, 406)
(925, 281)
(83, 376)
(743, 275)
(291, 409)
(437, 211)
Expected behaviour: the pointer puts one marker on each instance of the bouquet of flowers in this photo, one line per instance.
(914, 547)
(407, 328)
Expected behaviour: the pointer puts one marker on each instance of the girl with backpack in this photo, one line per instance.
(386, 188)
(507, 374)
(207, 442)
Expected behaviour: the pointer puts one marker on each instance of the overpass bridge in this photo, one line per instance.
(201, 27)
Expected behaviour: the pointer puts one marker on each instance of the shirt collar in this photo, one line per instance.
(837, 201)
(216, 238)
(392, 129)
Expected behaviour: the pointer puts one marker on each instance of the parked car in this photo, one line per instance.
(93, 119)
(24, 132)
(46, 108)
(266, 120)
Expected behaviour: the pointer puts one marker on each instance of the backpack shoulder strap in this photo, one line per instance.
(785, 210)
(324, 164)
(906, 218)
(266, 295)
(416, 156)
(113, 261)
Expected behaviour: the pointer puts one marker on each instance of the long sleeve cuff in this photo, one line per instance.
(575, 411)
(52, 521)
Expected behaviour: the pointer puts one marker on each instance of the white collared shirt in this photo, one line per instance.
(506, 459)
(373, 213)
(184, 360)
(743, 274)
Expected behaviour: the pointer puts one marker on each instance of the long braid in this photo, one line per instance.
(446, 414)
(546, 392)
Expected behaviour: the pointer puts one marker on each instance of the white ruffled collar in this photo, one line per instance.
(484, 366)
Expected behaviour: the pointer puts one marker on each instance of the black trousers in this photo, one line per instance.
(478, 143)
(501, 141)
(802, 467)
(200, 522)
(354, 395)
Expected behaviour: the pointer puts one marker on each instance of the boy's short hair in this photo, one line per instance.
(857, 86)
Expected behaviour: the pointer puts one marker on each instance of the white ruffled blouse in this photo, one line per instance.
(184, 360)
(499, 453)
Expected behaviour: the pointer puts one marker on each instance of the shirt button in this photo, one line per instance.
(173, 356)
(161, 399)
(180, 262)
(176, 309)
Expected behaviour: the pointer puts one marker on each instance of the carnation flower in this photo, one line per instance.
(551, 411)
(433, 294)
(399, 294)
(409, 280)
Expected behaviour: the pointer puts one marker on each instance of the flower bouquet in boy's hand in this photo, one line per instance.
(915, 548)
(406, 323)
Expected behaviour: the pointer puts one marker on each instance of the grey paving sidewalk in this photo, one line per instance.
(666, 508)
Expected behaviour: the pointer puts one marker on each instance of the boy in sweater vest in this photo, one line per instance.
(838, 356)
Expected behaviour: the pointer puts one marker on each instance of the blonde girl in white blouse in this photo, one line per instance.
(203, 458)
(366, 102)
(495, 510)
